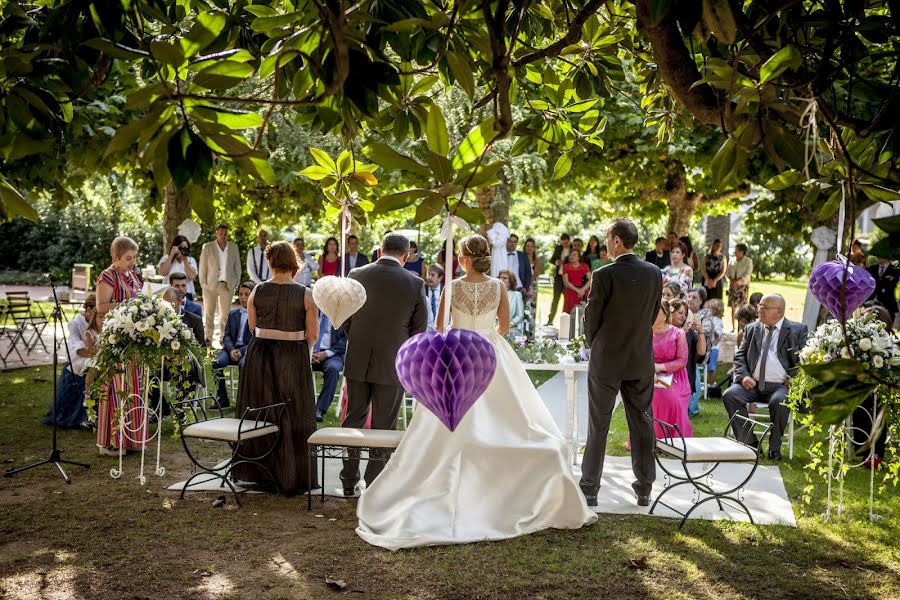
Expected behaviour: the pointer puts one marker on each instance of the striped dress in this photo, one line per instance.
(125, 388)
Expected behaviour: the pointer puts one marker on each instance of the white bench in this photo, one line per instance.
(332, 442)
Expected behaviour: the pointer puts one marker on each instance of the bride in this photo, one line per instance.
(503, 473)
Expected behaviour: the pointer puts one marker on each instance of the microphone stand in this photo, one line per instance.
(55, 452)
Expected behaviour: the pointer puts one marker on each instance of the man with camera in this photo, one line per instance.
(179, 260)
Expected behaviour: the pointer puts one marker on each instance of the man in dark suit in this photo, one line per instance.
(763, 367)
(517, 262)
(179, 282)
(886, 276)
(235, 341)
(173, 296)
(659, 256)
(328, 358)
(353, 258)
(394, 311)
(624, 302)
(558, 259)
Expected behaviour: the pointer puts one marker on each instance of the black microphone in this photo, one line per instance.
(50, 277)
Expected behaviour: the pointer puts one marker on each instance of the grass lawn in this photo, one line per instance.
(104, 538)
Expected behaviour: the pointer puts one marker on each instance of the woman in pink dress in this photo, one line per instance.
(670, 353)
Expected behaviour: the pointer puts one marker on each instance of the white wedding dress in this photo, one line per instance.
(503, 473)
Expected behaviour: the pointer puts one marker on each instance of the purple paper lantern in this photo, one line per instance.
(446, 373)
(825, 284)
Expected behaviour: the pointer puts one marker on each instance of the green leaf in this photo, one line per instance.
(719, 19)
(205, 30)
(839, 391)
(887, 247)
(201, 199)
(14, 146)
(831, 205)
(232, 119)
(428, 209)
(344, 163)
(259, 167)
(275, 22)
(223, 75)
(888, 224)
(423, 85)
(473, 216)
(401, 200)
(474, 144)
(390, 159)
(485, 176)
(723, 162)
(879, 193)
(659, 9)
(786, 58)
(784, 180)
(316, 172)
(167, 53)
(462, 72)
(127, 135)
(441, 169)
(116, 50)
(321, 157)
(13, 204)
(436, 131)
(562, 166)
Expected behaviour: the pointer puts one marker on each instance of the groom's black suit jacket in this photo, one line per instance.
(618, 320)
(394, 312)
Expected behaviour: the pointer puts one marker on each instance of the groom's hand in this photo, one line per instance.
(748, 383)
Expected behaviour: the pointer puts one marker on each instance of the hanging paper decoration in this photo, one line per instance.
(825, 284)
(446, 373)
(339, 298)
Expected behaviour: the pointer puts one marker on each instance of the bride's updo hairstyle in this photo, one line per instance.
(477, 248)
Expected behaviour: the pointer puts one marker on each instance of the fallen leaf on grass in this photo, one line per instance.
(219, 502)
(335, 584)
(638, 563)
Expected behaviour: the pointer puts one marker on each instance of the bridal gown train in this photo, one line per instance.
(503, 473)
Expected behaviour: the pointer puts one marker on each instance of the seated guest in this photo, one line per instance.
(763, 366)
(670, 356)
(716, 309)
(754, 300)
(516, 303)
(696, 298)
(434, 286)
(696, 341)
(328, 358)
(744, 315)
(180, 283)
(659, 256)
(672, 291)
(234, 342)
(173, 297)
(70, 387)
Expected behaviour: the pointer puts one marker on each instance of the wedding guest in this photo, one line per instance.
(353, 258)
(179, 260)
(739, 272)
(886, 277)
(745, 315)
(116, 284)
(517, 264)
(257, 266)
(603, 260)
(558, 259)
(864, 413)
(670, 357)
(678, 271)
(180, 283)
(328, 359)
(516, 302)
(234, 343)
(671, 240)
(531, 294)
(695, 299)
(306, 261)
(659, 256)
(754, 300)
(672, 291)
(376, 253)
(592, 254)
(763, 365)
(84, 333)
(690, 257)
(329, 261)
(713, 269)
(696, 343)
(578, 244)
(414, 262)
(283, 316)
(716, 310)
(857, 256)
(220, 275)
(441, 261)
(434, 286)
(577, 281)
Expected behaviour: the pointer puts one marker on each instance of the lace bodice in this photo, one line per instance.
(474, 305)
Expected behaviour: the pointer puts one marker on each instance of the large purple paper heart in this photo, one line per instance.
(825, 284)
(446, 373)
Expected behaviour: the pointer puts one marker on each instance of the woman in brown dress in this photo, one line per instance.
(283, 316)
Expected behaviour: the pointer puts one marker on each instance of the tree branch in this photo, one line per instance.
(572, 36)
(739, 192)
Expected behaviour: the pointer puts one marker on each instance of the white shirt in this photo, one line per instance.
(178, 267)
(223, 262)
(352, 259)
(432, 294)
(513, 266)
(307, 266)
(775, 373)
(257, 265)
(78, 332)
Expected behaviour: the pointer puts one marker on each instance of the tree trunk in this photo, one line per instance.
(485, 199)
(682, 204)
(719, 228)
(177, 208)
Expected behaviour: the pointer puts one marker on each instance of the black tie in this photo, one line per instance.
(434, 303)
(767, 341)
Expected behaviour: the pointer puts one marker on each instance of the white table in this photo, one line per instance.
(568, 369)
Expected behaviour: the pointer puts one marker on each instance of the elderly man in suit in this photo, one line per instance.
(179, 282)
(517, 262)
(394, 312)
(234, 342)
(328, 358)
(220, 275)
(763, 367)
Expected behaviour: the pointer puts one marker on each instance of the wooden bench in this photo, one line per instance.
(332, 442)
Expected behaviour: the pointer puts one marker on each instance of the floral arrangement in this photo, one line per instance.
(537, 352)
(143, 331)
(578, 349)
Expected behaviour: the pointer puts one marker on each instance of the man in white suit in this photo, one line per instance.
(220, 274)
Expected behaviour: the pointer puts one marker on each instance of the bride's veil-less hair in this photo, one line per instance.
(477, 248)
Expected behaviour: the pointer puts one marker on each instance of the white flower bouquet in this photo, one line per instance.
(877, 351)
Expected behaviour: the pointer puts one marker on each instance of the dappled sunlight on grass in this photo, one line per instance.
(215, 585)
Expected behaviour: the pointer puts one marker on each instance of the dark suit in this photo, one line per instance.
(332, 366)
(524, 272)
(791, 339)
(193, 308)
(660, 261)
(618, 320)
(361, 261)
(558, 286)
(394, 311)
(885, 292)
(229, 343)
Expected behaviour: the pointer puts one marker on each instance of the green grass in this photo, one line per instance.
(103, 538)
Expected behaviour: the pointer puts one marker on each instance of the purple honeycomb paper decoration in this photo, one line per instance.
(825, 284)
(448, 372)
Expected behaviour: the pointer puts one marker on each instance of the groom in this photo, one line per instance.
(394, 311)
(624, 301)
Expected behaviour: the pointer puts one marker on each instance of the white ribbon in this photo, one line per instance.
(447, 236)
(841, 216)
